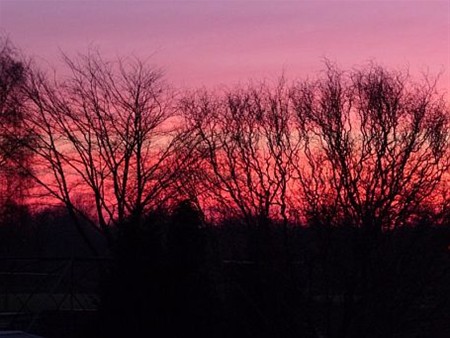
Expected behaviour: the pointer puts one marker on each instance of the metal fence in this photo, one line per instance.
(33, 290)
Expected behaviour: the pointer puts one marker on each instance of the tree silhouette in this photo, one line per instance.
(109, 145)
(376, 146)
(15, 159)
(14, 137)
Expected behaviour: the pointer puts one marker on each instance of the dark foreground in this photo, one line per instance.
(235, 283)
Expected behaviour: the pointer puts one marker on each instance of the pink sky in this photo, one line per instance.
(213, 42)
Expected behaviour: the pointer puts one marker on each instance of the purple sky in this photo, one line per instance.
(213, 42)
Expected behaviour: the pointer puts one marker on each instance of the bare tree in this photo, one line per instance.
(243, 148)
(376, 145)
(108, 136)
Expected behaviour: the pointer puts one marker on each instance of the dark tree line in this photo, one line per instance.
(309, 208)
(112, 141)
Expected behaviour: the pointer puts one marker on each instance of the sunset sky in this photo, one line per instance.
(222, 42)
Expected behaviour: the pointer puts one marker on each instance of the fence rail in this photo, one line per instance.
(32, 289)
